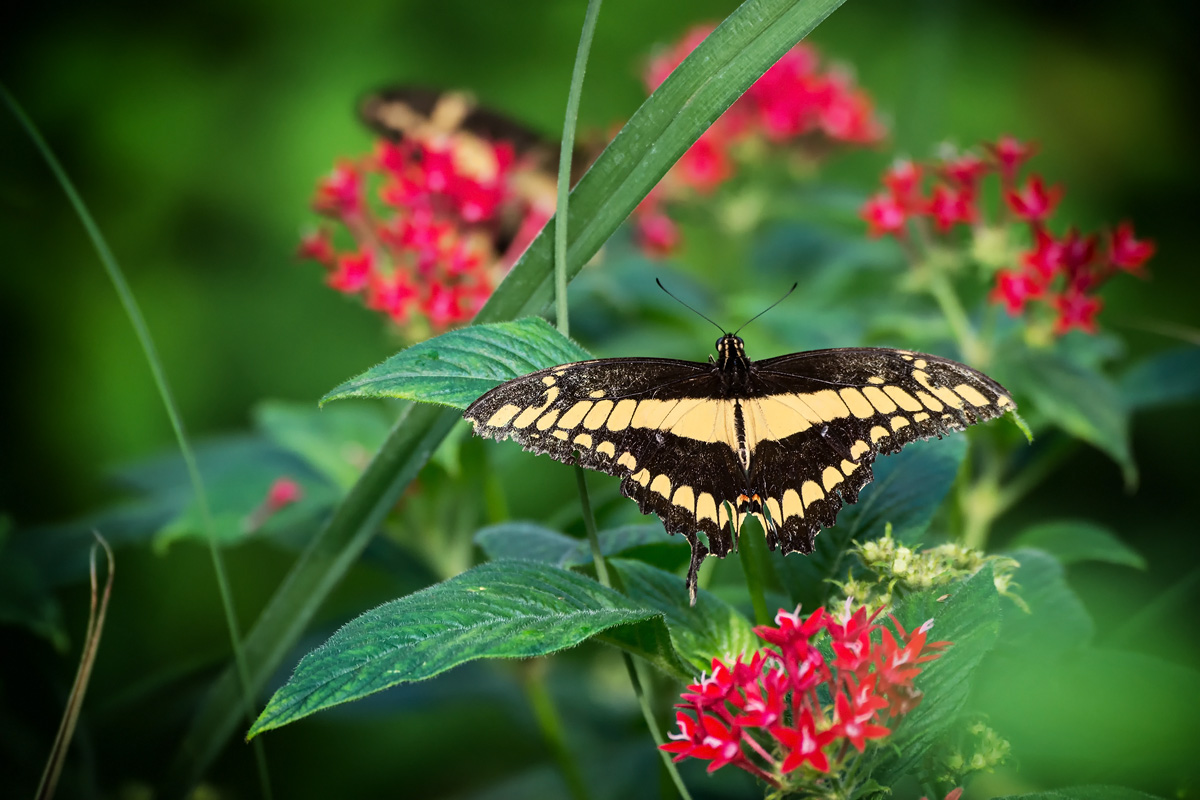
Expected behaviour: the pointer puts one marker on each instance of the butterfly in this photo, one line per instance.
(788, 440)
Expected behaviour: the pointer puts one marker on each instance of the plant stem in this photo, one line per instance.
(973, 350)
(534, 682)
(138, 322)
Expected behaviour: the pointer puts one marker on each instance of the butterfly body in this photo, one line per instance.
(787, 440)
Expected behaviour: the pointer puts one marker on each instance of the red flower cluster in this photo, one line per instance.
(430, 247)
(793, 101)
(766, 716)
(1064, 271)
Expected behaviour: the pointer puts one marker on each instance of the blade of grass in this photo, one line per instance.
(91, 643)
(704, 85)
(138, 322)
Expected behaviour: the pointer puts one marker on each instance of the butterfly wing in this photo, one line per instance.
(817, 420)
(658, 424)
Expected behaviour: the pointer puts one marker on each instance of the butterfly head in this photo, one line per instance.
(731, 353)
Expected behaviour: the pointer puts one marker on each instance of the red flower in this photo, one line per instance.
(884, 214)
(1076, 310)
(1014, 290)
(897, 664)
(318, 246)
(283, 492)
(1010, 154)
(658, 234)
(395, 296)
(804, 743)
(854, 724)
(792, 628)
(949, 207)
(903, 179)
(1047, 257)
(353, 272)
(705, 165)
(966, 171)
(341, 193)
(1128, 253)
(1034, 202)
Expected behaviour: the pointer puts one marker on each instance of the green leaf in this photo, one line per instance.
(337, 442)
(457, 367)
(970, 619)
(1057, 621)
(1081, 401)
(716, 73)
(1073, 541)
(1084, 793)
(908, 489)
(528, 540)
(506, 609)
(1163, 379)
(710, 629)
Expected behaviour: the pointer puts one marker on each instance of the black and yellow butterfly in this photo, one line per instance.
(703, 445)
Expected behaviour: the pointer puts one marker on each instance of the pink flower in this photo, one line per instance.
(353, 272)
(883, 213)
(1010, 154)
(949, 207)
(1127, 253)
(1076, 310)
(1034, 202)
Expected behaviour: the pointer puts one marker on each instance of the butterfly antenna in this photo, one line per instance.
(685, 305)
(768, 308)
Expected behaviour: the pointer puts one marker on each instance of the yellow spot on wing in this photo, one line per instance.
(810, 493)
(642, 477)
(858, 405)
(858, 448)
(972, 395)
(526, 417)
(775, 417)
(792, 507)
(848, 466)
(684, 497)
(920, 416)
(828, 404)
(619, 419)
(547, 419)
(920, 363)
(903, 398)
(930, 402)
(596, 394)
(876, 379)
(561, 435)
(883, 404)
(899, 422)
(584, 440)
(503, 416)
(548, 380)
(575, 414)
(776, 510)
(1004, 400)
(607, 448)
(879, 432)
(662, 485)
(706, 507)
(831, 477)
(651, 413)
(627, 460)
(598, 415)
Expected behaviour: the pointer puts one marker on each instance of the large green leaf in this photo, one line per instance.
(1163, 379)
(908, 488)
(455, 368)
(1072, 541)
(693, 96)
(1081, 401)
(529, 540)
(505, 609)
(970, 619)
(710, 629)
(1057, 621)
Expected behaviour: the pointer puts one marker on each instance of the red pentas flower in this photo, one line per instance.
(796, 104)
(768, 716)
(1057, 275)
(431, 219)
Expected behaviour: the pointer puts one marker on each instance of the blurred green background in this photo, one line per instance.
(196, 133)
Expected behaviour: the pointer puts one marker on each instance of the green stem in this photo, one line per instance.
(550, 722)
(973, 350)
(146, 341)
